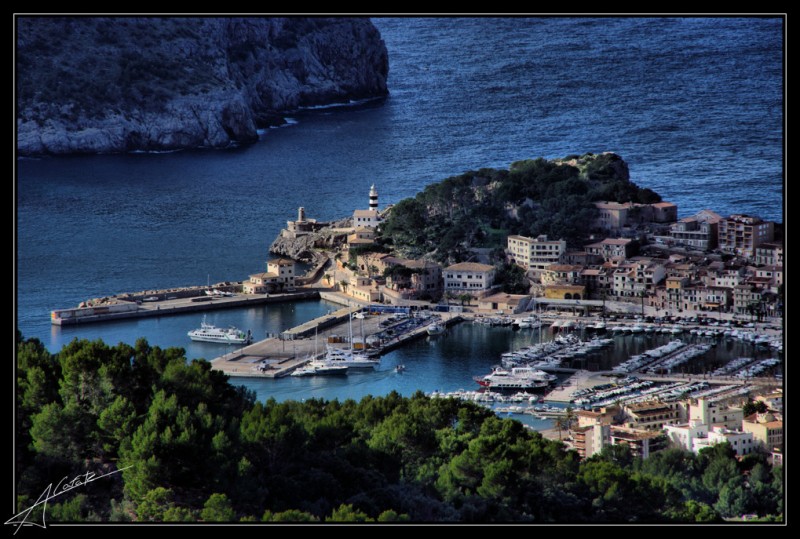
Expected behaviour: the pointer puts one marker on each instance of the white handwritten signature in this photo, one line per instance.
(21, 519)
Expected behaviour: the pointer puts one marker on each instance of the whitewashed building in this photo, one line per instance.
(468, 277)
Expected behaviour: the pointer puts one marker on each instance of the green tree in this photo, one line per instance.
(179, 514)
(154, 504)
(218, 509)
(734, 500)
(346, 513)
(752, 407)
(392, 516)
(74, 509)
(694, 511)
(116, 423)
(291, 515)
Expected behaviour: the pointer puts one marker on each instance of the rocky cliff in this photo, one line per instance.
(100, 84)
(305, 247)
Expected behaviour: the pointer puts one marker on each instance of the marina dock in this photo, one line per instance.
(278, 357)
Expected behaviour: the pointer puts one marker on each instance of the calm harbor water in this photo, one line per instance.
(693, 105)
(448, 363)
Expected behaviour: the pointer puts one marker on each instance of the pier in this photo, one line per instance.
(278, 357)
(161, 306)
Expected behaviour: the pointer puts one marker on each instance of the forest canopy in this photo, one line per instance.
(193, 447)
(481, 208)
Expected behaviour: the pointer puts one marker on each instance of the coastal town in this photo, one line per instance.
(701, 278)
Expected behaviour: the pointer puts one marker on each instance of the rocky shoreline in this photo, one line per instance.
(108, 85)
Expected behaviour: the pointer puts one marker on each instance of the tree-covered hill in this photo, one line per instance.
(117, 84)
(192, 447)
(480, 208)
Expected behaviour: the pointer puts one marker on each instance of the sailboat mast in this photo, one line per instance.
(351, 328)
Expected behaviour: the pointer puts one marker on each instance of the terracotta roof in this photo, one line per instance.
(281, 262)
(365, 213)
(611, 206)
(469, 266)
(264, 276)
(615, 241)
(562, 267)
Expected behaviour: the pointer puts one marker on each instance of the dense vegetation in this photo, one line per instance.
(198, 448)
(481, 208)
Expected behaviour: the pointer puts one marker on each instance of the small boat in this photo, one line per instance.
(211, 333)
(435, 329)
(400, 368)
(320, 368)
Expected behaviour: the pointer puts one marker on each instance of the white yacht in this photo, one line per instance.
(435, 329)
(211, 333)
(320, 368)
(350, 359)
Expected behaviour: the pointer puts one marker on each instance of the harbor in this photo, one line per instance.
(276, 357)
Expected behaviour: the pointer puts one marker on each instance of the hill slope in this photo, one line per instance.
(481, 208)
(96, 84)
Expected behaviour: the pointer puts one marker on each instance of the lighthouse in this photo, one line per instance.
(373, 198)
(368, 218)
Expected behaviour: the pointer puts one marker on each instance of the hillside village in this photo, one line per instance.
(701, 265)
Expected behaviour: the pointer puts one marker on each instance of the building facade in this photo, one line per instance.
(766, 429)
(700, 231)
(770, 254)
(418, 278)
(612, 248)
(642, 442)
(535, 253)
(742, 234)
(741, 442)
(469, 277)
(284, 269)
(637, 278)
(715, 414)
(652, 415)
(561, 274)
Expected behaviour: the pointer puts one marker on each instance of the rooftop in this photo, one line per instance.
(470, 266)
(624, 433)
(612, 205)
(281, 262)
(562, 267)
(510, 299)
(264, 276)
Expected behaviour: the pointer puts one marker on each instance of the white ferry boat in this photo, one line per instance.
(210, 333)
(517, 378)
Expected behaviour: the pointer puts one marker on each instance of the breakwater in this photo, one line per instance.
(164, 303)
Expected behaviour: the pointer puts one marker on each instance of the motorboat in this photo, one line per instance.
(321, 368)
(435, 329)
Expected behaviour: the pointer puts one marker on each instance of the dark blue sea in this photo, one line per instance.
(695, 106)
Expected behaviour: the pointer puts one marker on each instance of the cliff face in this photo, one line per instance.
(120, 84)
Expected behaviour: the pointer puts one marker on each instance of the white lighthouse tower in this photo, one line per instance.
(368, 218)
(373, 198)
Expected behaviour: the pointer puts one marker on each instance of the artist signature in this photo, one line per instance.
(21, 518)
